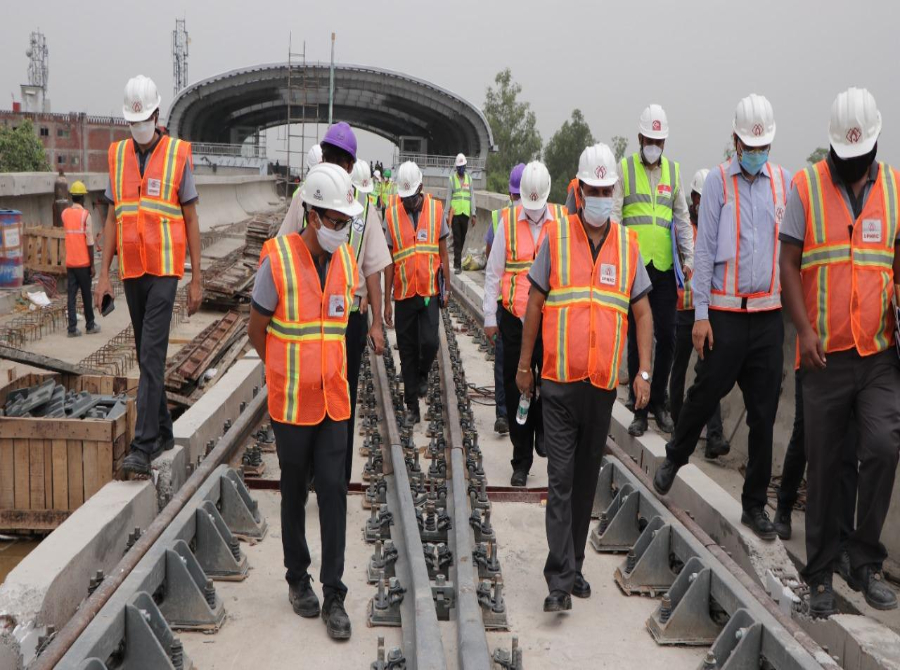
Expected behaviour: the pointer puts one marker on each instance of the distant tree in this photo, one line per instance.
(21, 151)
(562, 152)
(619, 146)
(819, 154)
(514, 127)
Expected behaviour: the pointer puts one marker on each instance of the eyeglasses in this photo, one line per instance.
(337, 224)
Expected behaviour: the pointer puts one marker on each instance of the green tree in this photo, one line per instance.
(21, 151)
(562, 152)
(819, 154)
(619, 146)
(514, 127)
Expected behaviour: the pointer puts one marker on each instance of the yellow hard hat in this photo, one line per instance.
(78, 188)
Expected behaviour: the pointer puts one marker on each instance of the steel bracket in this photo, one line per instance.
(239, 510)
(622, 523)
(218, 550)
(647, 570)
(683, 615)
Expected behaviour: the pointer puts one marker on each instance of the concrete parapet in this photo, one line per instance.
(171, 471)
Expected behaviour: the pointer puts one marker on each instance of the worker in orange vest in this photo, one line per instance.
(152, 219)
(587, 274)
(839, 266)
(299, 312)
(79, 259)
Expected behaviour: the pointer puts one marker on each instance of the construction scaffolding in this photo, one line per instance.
(303, 87)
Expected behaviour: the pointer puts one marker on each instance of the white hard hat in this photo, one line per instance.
(597, 166)
(460, 160)
(654, 123)
(328, 186)
(362, 177)
(698, 180)
(409, 178)
(314, 156)
(754, 121)
(141, 99)
(534, 188)
(855, 123)
(377, 174)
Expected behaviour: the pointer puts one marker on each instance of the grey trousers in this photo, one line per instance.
(576, 425)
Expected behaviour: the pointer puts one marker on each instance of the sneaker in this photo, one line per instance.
(639, 426)
(137, 464)
(93, 329)
(842, 565)
(581, 588)
(557, 601)
(870, 581)
(715, 447)
(782, 523)
(74, 333)
(821, 597)
(758, 521)
(501, 425)
(663, 420)
(303, 599)
(519, 478)
(337, 623)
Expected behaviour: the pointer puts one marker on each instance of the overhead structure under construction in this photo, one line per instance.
(180, 46)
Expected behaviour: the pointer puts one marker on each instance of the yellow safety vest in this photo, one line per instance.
(650, 214)
(461, 194)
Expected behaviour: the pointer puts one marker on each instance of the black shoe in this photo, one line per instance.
(92, 329)
(758, 521)
(870, 581)
(412, 415)
(164, 444)
(665, 477)
(337, 623)
(782, 523)
(821, 597)
(137, 464)
(74, 333)
(715, 447)
(557, 601)
(842, 565)
(457, 271)
(663, 420)
(519, 478)
(639, 426)
(501, 425)
(581, 589)
(629, 404)
(303, 599)
(423, 387)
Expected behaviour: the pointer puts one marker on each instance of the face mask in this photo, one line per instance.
(330, 239)
(652, 153)
(753, 162)
(412, 203)
(535, 215)
(461, 170)
(597, 210)
(143, 132)
(851, 170)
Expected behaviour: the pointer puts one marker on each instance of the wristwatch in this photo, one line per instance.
(644, 375)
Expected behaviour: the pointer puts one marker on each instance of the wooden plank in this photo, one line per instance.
(76, 473)
(39, 361)
(48, 474)
(36, 467)
(60, 475)
(23, 476)
(51, 429)
(104, 463)
(25, 519)
(106, 385)
(7, 475)
(91, 474)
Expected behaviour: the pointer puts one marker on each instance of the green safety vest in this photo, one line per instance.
(650, 214)
(387, 190)
(461, 194)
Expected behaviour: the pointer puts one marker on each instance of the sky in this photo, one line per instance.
(697, 58)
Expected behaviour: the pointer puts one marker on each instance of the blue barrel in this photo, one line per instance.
(10, 248)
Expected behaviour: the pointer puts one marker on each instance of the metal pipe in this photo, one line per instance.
(92, 605)
(331, 83)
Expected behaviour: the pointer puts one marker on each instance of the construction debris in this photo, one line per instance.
(50, 400)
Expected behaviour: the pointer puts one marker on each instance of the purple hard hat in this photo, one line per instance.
(341, 136)
(515, 178)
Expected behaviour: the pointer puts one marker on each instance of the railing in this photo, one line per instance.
(441, 162)
(236, 150)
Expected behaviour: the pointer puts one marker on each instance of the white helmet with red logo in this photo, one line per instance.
(754, 121)
(597, 166)
(534, 189)
(328, 186)
(409, 178)
(855, 123)
(141, 99)
(654, 123)
(362, 177)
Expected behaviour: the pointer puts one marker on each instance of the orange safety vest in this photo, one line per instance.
(585, 324)
(686, 294)
(573, 188)
(75, 221)
(150, 232)
(521, 250)
(306, 360)
(848, 278)
(416, 251)
(728, 298)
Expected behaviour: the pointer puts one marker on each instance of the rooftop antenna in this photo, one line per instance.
(180, 42)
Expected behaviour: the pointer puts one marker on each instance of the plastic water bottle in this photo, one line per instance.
(522, 409)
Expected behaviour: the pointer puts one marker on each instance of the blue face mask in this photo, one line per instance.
(597, 210)
(753, 162)
(461, 170)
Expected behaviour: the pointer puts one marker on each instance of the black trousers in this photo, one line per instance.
(499, 390)
(524, 437)
(576, 418)
(356, 347)
(684, 347)
(869, 388)
(317, 451)
(459, 228)
(747, 351)
(663, 304)
(79, 279)
(417, 340)
(150, 303)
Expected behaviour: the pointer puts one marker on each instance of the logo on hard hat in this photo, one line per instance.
(136, 106)
(349, 197)
(406, 186)
(318, 195)
(600, 171)
(758, 129)
(365, 182)
(657, 125)
(533, 196)
(854, 135)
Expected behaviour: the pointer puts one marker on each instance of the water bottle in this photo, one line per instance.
(522, 409)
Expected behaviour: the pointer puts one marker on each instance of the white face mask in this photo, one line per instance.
(330, 239)
(536, 215)
(143, 132)
(597, 210)
(652, 153)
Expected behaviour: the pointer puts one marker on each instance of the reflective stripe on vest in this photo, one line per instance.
(521, 250)
(416, 260)
(649, 213)
(585, 319)
(729, 298)
(75, 222)
(306, 367)
(848, 278)
(460, 197)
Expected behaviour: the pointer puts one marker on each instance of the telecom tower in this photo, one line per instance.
(34, 93)
(180, 42)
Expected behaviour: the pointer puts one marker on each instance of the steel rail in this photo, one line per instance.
(229, 442)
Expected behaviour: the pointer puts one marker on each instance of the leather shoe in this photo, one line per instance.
(663, 420)
(638, 426)
(782, 523)
(519, 478)
(303, 599)
(842, 565)
(137, 464)
(337, 623)
(821, 598)
(581, 588)
(665, 477)
(412, 415)
(557, 601)
(758, 521)
(715, 447)
(870, 580)
(501, 425)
